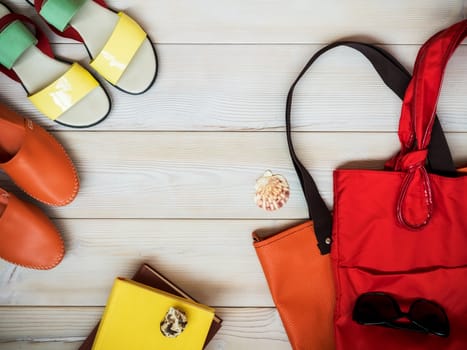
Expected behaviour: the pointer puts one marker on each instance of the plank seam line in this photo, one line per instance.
(45, 340)
(235, 132)
(356, 38)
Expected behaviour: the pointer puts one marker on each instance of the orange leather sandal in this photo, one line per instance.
(35, 160)
(27, 237)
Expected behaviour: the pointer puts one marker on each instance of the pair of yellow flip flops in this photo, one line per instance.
(67, 93)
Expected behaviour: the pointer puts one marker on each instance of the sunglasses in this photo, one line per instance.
(381, 309)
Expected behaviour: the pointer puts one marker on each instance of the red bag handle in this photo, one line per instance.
(417, 118)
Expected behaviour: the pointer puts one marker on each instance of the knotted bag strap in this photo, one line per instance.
(397, 78)
(415, 204)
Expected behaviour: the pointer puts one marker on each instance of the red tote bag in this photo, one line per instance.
(403, 233)
(296, 262)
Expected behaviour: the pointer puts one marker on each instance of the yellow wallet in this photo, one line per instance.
(133, 315)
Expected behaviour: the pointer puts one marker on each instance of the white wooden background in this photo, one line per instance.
(169, 177)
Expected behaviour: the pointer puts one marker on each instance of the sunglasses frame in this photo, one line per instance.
(392, 323)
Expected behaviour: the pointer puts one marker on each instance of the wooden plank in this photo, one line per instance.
(314, 21)
(244, 87)
(214, 261)
(30, 345)
(29, 328)
(207, 175)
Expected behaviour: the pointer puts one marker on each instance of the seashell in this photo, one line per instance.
(174, 323)
(272, 191)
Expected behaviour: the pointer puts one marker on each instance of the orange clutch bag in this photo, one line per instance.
(301, 283)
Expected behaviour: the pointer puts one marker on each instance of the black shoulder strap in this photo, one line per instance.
(397, 78)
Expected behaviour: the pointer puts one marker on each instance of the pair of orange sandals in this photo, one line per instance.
(68, 94)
